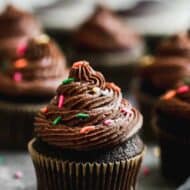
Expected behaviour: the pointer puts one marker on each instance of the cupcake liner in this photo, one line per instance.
(146, 105)
(16, 124)
(174, 157)
(54, 174)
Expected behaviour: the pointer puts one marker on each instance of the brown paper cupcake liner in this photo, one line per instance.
(174, 155)
(53, 174)
(16, 121)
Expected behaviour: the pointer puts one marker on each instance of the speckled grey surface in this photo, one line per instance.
(11, 162)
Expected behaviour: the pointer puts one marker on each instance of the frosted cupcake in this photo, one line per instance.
(16, 27)
(172, 128)
(25, 85)
(87, 137)
(109, 45)
(163, 71)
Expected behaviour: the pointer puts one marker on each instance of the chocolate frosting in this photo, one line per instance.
(16, 27)
(111, 119)
(105, 31)
(176, 45)
(170, 64)
(42, 67)
(177, 104)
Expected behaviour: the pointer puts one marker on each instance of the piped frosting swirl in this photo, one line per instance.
(87, 113)
(38, 71)
(16, 27)
(170, 64)
(105, 31)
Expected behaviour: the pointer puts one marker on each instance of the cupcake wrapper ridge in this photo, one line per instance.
(64, 175)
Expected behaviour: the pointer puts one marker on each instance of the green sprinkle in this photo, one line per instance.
(57, 120)
(1, 160)
(68, 81)
(186, 80)
(4, 65)
(82, 116)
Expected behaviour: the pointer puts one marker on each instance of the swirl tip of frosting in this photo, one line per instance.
(38, 47)
(78, 64)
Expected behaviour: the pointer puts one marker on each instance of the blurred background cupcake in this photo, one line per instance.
(16, 27)
(25, 85)
(171, 125)
(163, 71)
(109, 45)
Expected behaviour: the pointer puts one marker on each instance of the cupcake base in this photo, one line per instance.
(16, 123)
(54, 173)
(174, 156)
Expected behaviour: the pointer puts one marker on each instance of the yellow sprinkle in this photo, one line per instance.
(157, 152)
(42, 39)
(146, 60)
(96, 90)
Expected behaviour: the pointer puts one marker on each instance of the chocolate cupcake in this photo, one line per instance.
(109, 45)
(86, 138)
(25, 85)
(171, 123)
(16, 27)
(163, 71)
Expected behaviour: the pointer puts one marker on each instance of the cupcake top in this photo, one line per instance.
(37, 73)
(176, 45)
(87, 113)
(169, 65)
(172, 114)
(104, 31)
(176, 102)
(16, 26)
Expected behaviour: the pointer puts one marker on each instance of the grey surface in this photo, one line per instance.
(10, 162)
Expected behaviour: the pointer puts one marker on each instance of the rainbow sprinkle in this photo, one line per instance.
(96, 90)
(87, 129)
(82, 115)
(169, 94)
(21, 49)
(61, 101)
(146, 171)
(108, 122)
(21, 63)
(56, 120)
(17, 77)
(18, 175)
(183, 89)
(68, 81)
(42, 39)
(186, 80)
(4, 65)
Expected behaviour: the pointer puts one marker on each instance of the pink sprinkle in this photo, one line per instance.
(17, 77)
(61, 101)
(146, 171)
(183, 89)
(21, 49)
(18, 175)
(108, 122)
(125, 110)
(87, 129)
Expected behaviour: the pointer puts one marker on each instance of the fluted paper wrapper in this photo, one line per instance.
(53, 174)
(174, 156)
(16, 121)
